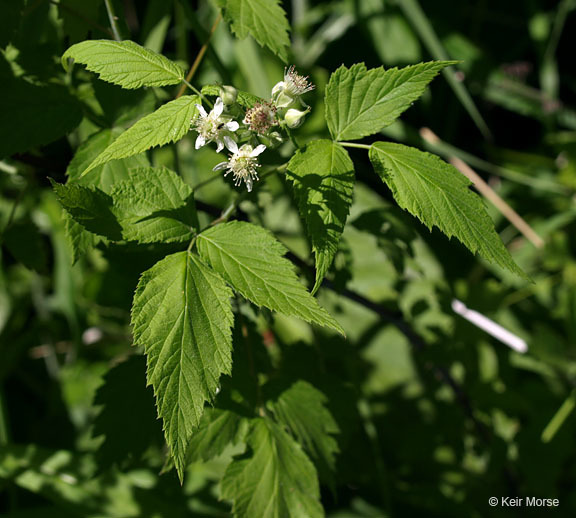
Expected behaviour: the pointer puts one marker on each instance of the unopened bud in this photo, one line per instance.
(229, 94)
(294, 118)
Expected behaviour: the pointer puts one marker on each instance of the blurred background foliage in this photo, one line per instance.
(435, 416)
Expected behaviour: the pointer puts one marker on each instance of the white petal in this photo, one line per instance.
(220, 166)
(230, 144)
(249, 184)
(257, 150)
(218, 107)
(200, 141)
(202, 111)
(232, 126)
(278, 87)
(219, 146)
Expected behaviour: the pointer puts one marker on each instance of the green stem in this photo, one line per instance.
(353, 144)
(112, 18)
(197, 92)
(4, 432)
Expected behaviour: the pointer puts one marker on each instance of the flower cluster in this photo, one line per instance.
(244, 141)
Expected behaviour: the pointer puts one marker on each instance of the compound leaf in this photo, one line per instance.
(125, 63)
(438, 195)
(250, 259)
(323, 177)
(182, 317)
(275, 480)
(168, 123)
(360, 102)
(264, 20)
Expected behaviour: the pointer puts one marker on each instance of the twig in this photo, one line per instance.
(112, 17)
(199, 57)
(483, 188)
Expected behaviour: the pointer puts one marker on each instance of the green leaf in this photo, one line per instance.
(106, 175)
(80, 240)
(218, 430)
(264, 20)
(168, 123)
(438, 195)
(90, 207)
(276, 480)
(302, 408)
(360, 102)
(323, 177)
(245, 99)
(250, 259)
(182, 316)
(154, 206)
(124, 63)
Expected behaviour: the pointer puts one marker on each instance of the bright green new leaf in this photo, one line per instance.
(182, 317)
(154, 206)
(124, 63)
(438, 195)
(250, 259)
(360, 102)
(323, 177)
(264, 20)
(218, 430)
(276, 481)
(168, 123)
(302, 408)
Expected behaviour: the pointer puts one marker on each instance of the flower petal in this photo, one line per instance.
(219, 146)
(248, 181)
(220, 166)
(200, 141)
(232, 126)
(202, 111)
(230, 144)
(218, 107)
(257, 150)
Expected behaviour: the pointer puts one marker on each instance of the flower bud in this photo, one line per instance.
(294, 118)
(229, 94)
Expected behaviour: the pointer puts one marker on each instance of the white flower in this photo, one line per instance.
(242, 163)
(212, 127)
(294, 85)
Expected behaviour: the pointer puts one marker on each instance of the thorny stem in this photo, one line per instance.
(112, 18)
(199, 57)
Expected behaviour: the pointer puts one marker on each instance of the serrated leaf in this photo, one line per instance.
(79, 239)
(302, 408)
(360, 102)
(168, 123)
(264, 20)
(245, 99)
(106, 175)
(276, 480)
(182, 316)
(128, 423)
(438, 195)
(125, 63)
(323, 177)
(90, 207)
(250, 259)
(154, 206)
(218, 429)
